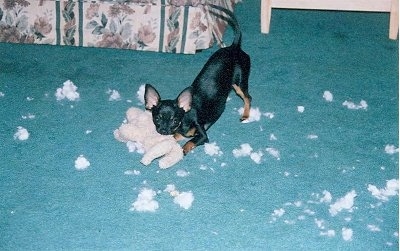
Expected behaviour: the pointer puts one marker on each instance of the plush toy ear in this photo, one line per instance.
(151, 97)
(185, 99)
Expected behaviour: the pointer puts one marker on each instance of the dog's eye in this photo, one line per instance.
(159, 117)
(174, 121)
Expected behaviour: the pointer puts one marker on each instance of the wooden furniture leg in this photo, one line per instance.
(394, 20)
(266, 9)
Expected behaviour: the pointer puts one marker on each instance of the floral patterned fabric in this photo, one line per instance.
(175, 26)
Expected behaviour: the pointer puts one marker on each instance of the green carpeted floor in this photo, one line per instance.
(322, 172)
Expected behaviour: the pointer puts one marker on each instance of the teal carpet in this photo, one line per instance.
(320, 171)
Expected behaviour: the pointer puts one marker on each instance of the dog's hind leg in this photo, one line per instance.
(246, 99)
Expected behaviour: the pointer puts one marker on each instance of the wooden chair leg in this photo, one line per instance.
(266, 15)
(394, 20)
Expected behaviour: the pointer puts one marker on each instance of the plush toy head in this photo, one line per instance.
(139, 128)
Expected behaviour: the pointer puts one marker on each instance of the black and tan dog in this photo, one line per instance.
(199, 106)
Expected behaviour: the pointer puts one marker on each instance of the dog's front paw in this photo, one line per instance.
(189, 146)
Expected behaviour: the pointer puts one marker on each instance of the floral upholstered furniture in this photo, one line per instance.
(175, 26)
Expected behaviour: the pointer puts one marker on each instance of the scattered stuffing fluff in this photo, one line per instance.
(183, 199)
(277, 214)
(255, 114)
(383, 194)
(81, 163)
(328, 96)
(327, 197)
(300, 109)
(347, 234)
(274, 152)
(2, 94)
(29, 116)
(256, 156)
(312, 136)
(329, 233)
(21, 134)
(269, 115)
(182, 173)
(171, 189)
(373, 228)
(132, 172)
(344, 203)
(68, 91)
(212, 149)
(272, 137)
(352, 106)
(391, 149)
(145, 201)
(114, 95)
(245, 150)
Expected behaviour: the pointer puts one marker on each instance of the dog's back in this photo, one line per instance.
(227, 67)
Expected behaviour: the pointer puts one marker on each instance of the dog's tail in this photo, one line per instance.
(231, 20)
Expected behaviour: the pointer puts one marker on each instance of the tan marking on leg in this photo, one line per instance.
(178, 137)
(191, 133)
(246, 100)
(189, 146)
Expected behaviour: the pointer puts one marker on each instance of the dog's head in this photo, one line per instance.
(167, 114)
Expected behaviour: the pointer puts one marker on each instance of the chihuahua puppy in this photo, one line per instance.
(199, 106)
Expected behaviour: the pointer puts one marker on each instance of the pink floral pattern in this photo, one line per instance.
(184, 27)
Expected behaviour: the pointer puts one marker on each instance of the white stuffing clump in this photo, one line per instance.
(300, 109)
(383, 194)
(145, 201)
(347, 234)
(352, 106)
(391, 149)
(212, 149)
(28, 116)
(344, 203)
(182, 173)
(329, 233)
(274, 152)
(114, 95)
(183, 199)
(328, 96)
(269, 115)
(247, 151)
(256, 157)
(312, 136)
(327, 197)
(81, 163)
(68, 91)
(21, 134)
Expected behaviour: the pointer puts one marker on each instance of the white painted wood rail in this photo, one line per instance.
(390, 6)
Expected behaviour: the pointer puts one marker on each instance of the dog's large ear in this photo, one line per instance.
(151, 97)
(185, 99)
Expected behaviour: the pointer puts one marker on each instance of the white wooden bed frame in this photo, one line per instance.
(391, 6)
